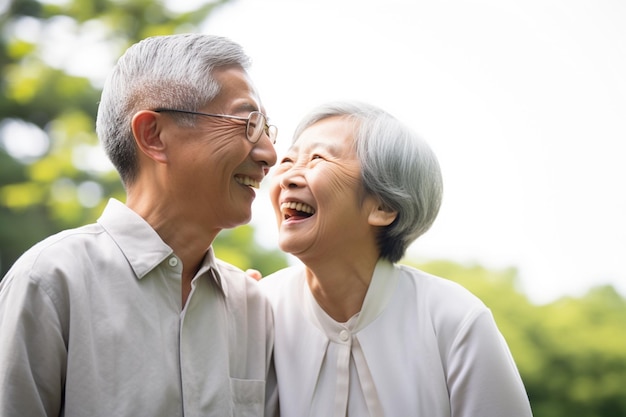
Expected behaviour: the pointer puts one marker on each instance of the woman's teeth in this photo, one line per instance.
(302, 207)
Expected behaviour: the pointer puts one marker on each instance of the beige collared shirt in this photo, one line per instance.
(91, 325)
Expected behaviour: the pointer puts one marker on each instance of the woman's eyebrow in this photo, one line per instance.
(328, 148)
(331, 148)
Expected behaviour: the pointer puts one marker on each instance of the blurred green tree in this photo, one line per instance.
(571, 353)
(583, 361)
(53, 173)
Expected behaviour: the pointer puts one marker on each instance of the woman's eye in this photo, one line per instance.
(316, 157)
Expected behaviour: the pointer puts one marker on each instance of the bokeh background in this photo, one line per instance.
(524, 102)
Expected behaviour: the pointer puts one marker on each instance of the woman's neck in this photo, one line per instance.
(340, 287)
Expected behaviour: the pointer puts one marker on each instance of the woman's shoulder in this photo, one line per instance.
(444, 299)
(434, 285)
(283, 281)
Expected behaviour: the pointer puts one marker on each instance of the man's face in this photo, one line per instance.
(214, 169)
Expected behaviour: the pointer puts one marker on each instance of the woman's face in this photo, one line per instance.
(317, 193)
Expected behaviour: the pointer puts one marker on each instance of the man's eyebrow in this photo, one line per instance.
(249, 107)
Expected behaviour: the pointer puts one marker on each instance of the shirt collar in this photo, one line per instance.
(210, 265)
(381, 288)
(143, 247)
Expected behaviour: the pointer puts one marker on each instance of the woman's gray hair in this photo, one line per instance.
(159, 72)
(397, 167)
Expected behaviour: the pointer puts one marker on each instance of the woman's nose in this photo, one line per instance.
(291, 178)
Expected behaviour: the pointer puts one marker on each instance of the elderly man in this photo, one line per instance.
(134, 315)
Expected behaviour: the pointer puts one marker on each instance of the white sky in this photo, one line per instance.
(523, 101)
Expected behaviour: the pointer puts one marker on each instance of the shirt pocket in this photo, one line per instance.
(248, 397)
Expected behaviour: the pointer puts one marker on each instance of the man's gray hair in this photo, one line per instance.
(159, 72)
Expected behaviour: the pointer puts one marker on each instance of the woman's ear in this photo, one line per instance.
(147, 132)
(381, 216)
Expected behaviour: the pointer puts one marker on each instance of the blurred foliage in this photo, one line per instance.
(571, 353)
(238, 247)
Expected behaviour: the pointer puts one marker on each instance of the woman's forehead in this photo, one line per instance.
(334, 134)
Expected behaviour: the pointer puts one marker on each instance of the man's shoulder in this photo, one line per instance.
(235, 282)
(62, 245)
(55, 258)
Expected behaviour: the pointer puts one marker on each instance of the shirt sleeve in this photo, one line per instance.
(32, 351)
(483, 379)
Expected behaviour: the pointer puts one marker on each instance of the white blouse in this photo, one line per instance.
(421, 346)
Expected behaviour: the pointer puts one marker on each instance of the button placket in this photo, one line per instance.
(343, 373)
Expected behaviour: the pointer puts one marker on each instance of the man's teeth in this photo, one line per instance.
(305, 208)
(247, 181)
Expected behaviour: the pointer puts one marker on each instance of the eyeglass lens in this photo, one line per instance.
(257, 124)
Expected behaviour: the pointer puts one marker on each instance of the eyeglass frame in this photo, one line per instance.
(268, 129)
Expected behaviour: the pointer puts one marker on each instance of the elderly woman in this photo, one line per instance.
(357, 334)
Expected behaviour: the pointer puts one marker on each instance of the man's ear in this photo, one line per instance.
(147, 132)
(381, 216)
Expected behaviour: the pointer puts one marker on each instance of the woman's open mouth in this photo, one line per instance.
(296, 210)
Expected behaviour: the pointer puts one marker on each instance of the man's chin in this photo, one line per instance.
(241, 220)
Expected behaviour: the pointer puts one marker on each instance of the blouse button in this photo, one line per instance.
(344, 335)
(173, 261)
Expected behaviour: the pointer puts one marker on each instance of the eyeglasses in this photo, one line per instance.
(256, 123)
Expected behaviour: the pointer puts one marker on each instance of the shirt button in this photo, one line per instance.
(173, 261)
(344, 335)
